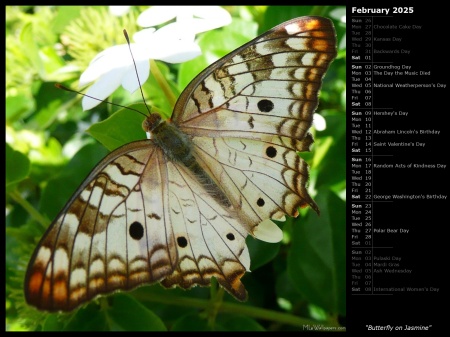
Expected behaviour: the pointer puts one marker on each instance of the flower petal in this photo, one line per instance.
(211, 13)
(119, 10)
(108, 60)
(173, 31)
(156, 15)
(104, 87)
(172, 43)
(130, 79)
(177, 53)
(319, 122)
(143, 35)
(211, 17)
(202, 25)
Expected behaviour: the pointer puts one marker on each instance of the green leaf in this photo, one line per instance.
(285, 288)
(261, 252)
(17, 166)
(48, 101)
(191, 322)
(64, 16)
(28, 40)
(18, 107)
(238, 323)
(224, 322)
(333, 165)
(52, 323)
(52, 63)
(316, 261)
(60, 188)
(89, 318)
(129, 315)
(121, 128)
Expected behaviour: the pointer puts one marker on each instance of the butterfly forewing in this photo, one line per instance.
(278, 75)
(248, 133)
(143, 215)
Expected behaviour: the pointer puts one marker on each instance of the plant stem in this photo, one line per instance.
(17, 197)
(214, 303)
(159, 77)
(240, 309)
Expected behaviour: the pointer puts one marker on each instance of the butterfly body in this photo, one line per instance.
(178, 146)
(175, 144)
(176, 208)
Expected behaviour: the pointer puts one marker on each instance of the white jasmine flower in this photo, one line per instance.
(202, 18)
(173, 43)
(119, 10)
(114, 66)
(319, 122)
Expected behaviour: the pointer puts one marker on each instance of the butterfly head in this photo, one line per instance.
(151, 122)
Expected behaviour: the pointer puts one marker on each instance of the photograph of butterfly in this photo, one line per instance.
(214, 193)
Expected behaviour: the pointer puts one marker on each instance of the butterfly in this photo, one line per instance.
(176, 208)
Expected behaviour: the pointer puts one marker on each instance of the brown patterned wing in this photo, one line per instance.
(249, 113)
(136, 219)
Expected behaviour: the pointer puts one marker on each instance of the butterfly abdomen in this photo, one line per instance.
(174, 143)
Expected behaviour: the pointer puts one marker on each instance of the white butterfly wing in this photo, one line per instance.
(264, 180)
(249, 113)
(136, 219)
(210, 240)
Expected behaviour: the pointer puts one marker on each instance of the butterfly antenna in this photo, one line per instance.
(135, 68)
(60, 86)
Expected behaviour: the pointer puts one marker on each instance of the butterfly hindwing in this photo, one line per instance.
(89, 250)
(210, 239)
(138, 218)
(264, 180)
